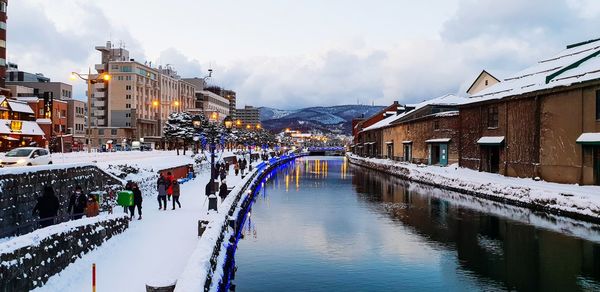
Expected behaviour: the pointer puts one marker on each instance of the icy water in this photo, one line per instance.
(324, 225)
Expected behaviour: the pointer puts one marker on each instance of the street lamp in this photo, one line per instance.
(212, 133)
(104, 77)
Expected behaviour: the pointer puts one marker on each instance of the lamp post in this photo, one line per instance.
(212, 134)
(104, 77)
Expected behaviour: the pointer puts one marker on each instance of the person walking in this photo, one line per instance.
(77, 203)
(236, 169)
(161, 187)
(169, 180)
(47, 207)
(137, 202)
(176, 193)
(92, 209)
(223, 174)
(223, 192)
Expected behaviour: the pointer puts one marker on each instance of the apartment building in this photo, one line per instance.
(137, 100)
(76, 122)
(249, 115)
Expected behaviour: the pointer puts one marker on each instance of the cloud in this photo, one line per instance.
(184, 65)
(37, 43)
(499, 36)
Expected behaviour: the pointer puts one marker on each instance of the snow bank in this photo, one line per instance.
(579, 202)
(202, 261)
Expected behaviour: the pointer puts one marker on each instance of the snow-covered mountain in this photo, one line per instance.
(336, 119)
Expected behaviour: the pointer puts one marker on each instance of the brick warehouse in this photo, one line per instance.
(543, 122)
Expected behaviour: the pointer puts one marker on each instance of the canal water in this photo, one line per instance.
(325, 225)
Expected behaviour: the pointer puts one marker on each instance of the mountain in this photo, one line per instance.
(333, 119)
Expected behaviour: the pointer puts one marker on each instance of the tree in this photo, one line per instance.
(179, 127)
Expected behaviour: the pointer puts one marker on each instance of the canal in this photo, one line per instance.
(325, 225)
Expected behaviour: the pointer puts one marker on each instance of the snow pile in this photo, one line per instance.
(144, 177)
(573, 200)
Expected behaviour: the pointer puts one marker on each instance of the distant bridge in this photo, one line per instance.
(326, 151)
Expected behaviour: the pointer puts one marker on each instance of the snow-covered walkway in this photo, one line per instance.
(153, 250)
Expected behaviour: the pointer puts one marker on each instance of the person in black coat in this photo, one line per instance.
(223, 190)
(137, 202)
(77, 203)
(47, 207)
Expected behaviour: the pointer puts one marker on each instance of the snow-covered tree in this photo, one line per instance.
(179, 129)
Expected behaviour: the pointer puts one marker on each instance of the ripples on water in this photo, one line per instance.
(323, 225)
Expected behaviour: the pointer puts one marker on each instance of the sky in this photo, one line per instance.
(290, 54)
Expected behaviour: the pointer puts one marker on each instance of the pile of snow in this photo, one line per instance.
(575, 199)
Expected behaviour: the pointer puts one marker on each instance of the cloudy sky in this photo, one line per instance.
(296, 53)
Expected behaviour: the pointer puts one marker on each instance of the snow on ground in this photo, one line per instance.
(156, 160)
(155, 249)
(584, 200)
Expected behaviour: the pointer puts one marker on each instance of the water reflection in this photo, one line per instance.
(351, 229)
(526, 256)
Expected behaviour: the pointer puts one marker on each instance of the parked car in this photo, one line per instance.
(26, 156)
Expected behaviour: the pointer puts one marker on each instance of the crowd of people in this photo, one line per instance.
(167, 186)
(48, 205)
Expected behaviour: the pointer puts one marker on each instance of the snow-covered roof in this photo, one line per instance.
(448, 99)
(44, 121)
(589, 138)
(491, 140)
(27, 128)
(20, 107)
(575, 64)
(406, 142)
(446, 114)
(28, 98)
(438, 140)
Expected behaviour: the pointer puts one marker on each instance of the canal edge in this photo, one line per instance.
(208, 263)
(403, 173)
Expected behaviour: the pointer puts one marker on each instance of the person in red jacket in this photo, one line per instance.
(169, 179)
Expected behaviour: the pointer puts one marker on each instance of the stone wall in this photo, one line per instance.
(19, 192)
(30, 260)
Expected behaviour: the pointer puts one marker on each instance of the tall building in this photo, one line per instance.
(230, 95)
(249, 115)
(136, 101)
(76, 122)
(3, 18)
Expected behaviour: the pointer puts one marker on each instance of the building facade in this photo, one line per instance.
(17, 125)
(76, 122)
(211, 103)
(137, 100)
(3, 63)
(249, 115)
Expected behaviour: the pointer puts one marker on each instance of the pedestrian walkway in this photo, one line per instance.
(153, 250)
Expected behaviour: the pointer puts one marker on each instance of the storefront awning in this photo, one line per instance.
(491, 140)
(589, 139)
(406, 142)
(439, 140)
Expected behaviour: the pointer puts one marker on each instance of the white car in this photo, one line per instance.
(25, 156)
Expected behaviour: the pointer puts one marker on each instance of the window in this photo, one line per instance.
(127, 105)
(100, 131)
(126, 69)
(598, 105)
(436, 125)
(127, 87)
(493, 116)
(486, 82)
(2, 25)
(128, 96)
(113, 132)
(115, 67)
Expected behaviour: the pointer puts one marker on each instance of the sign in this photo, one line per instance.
(16, 126)
(48, 100)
